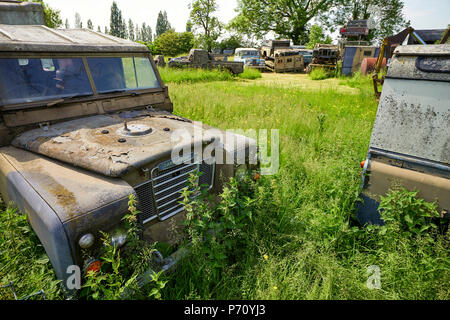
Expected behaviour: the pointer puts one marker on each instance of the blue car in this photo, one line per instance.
(250, 57)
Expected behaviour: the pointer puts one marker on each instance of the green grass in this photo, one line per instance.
(23, 259)
(301, 242)
(175, 75)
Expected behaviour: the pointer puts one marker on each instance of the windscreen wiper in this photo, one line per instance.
(64, 99)
(131, 93)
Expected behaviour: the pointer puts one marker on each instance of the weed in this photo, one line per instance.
(409, 213)
(319, 74)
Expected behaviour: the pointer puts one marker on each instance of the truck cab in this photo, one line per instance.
(250, 57)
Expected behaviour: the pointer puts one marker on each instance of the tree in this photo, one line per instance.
(317, 36)
(145, 33)
(162, 23)
(78, 23)
(386, 16)
(106, 30)
(124, 29)
(131, 34)
(189, 26)
(173, 43)
(202, 17)
(286, 18)
(98, 29)
(67, 25)
(116, 21)
(138, 33)
(232, 42)
(90, 25)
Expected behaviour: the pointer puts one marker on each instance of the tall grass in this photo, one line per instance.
(295, 236)
(190, 75)
(23, 260)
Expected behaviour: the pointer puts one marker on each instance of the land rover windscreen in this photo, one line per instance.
(34, 80)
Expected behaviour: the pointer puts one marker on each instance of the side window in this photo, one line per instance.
(146, 77)
(108, 74)
(113, 74)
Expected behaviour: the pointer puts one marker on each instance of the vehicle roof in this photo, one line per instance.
(416, 50)
(245, 49)
(34, 38)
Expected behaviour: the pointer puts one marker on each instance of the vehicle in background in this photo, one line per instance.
(21, 13)
(250, 57)
(355, 47)
(160, 61)
(306, 53)
(410, 144)
(325, 56)
(199, 58)
(280, 57)
(353, 59)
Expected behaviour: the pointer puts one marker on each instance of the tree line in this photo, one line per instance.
(302, 21)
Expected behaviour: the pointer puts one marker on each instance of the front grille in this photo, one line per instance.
(159, 197)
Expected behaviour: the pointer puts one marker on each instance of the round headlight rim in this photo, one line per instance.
(86, 241)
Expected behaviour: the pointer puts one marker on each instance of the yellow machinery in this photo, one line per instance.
(387, 50)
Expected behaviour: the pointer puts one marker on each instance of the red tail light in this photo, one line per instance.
(94, 266)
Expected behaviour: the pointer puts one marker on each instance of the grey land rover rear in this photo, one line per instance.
(410, 144)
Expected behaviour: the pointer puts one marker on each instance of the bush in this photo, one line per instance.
(318, 74)
(171, 43)
(250, 74)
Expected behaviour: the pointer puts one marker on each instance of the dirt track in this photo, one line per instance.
(299, 80)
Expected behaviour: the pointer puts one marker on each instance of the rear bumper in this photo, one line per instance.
(385, 170)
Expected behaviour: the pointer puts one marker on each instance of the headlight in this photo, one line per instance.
(86, 241)
(118, 238)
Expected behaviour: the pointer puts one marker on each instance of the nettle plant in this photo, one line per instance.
(117, 277)
(215, 233)
(216, 230)
(407, 212)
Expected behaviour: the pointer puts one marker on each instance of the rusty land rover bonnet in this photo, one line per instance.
(410, 142)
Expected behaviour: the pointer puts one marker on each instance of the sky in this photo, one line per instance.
(429, 14)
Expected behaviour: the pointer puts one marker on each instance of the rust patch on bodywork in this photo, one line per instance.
(64, 197)
(70, 192)
(100, 143)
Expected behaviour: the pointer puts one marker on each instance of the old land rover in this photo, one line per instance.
(86, 121)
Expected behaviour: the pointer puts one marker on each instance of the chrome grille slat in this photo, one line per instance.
(171, 187)
(159, 197)
(170, 209)
(175, 178)
(169, 173)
